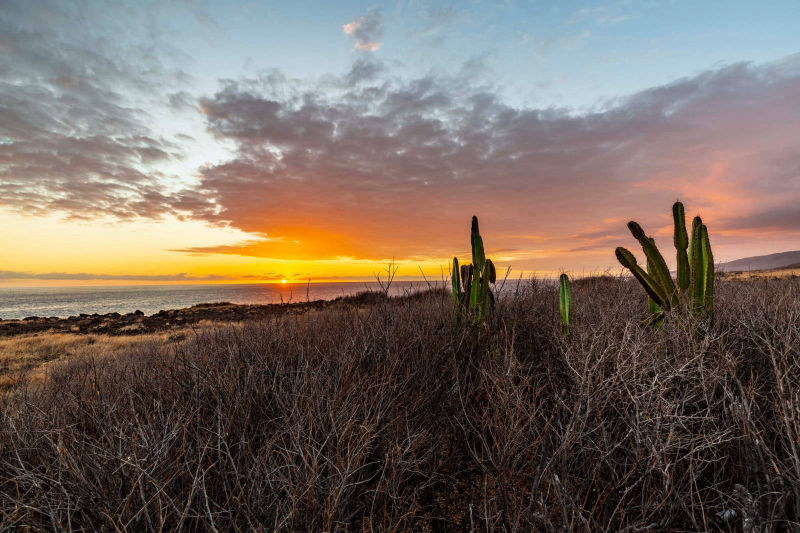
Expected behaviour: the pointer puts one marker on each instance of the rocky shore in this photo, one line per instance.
(138, 323)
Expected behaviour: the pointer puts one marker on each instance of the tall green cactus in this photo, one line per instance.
(681, 240)
(695, 268)
(565, 303)
(703, 269)
(470, 283)
(456, 283)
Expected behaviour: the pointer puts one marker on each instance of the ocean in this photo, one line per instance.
(63, 302)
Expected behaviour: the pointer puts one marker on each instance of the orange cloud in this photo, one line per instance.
(367, 31)
(398, 171)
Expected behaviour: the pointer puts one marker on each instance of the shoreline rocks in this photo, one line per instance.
(137, 322)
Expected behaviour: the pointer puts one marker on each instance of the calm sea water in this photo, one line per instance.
(68, 301)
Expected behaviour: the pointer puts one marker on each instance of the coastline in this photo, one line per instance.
(138, 323)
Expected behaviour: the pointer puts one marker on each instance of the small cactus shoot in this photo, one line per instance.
(565, 303)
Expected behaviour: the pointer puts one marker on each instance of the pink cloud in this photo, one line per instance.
(368, 47)
(397, 168)
(367, 31)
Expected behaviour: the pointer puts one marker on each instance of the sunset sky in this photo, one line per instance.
(152, 142)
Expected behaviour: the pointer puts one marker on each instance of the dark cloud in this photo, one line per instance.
(782, 217)
(181, 101)
(364, 69)
(394, 167)
(75, 132)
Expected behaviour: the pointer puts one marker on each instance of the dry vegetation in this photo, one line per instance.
(392, 419)
(27, 358)
(772, 273)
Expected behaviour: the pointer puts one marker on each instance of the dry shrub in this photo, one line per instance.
(390, 418)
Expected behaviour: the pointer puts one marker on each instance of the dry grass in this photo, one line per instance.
(775, 273)
(392, 419)
(27, 357)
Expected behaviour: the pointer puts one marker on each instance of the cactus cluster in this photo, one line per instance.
(565, 303)
(695, 269)
(472, 296)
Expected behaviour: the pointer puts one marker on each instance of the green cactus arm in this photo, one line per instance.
(478, 256)
(653, 289)
(681, 240)
(708, 262)
(695, 225)
(456, 282)
(660, 268)
(698, 267)
(491, 271)
(652, 306)
(565, 300)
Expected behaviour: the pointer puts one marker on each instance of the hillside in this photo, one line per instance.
(762, 262)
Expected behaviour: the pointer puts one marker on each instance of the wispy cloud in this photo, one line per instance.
(84, 276)
(8, 275)
(75, 129)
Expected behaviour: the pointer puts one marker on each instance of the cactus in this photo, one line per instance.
(471, 293)
(695, 269)
(703, 269)
(681, 241)
(652, 306)
(456, 282)
(565, 303)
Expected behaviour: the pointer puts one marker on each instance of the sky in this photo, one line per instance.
(190, 142)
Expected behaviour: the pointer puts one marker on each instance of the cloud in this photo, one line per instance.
(367, 31)
(434, 21)
(75, 118)
(611, 14)
(395, 167)
(374, 165)
(181, 100)
(82, 276)
(364, 69)
(571, 39)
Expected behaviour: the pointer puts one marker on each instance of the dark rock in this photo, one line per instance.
(137, 323)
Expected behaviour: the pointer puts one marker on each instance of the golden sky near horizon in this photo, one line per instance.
(216, 144)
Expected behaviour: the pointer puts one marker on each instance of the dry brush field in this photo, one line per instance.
(392, 418)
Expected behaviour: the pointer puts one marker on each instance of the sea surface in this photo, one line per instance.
(64, 302)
